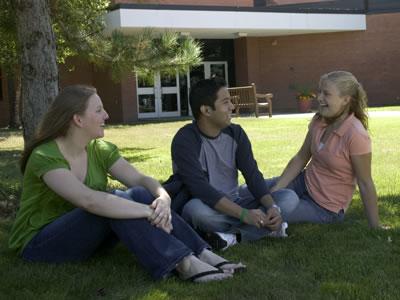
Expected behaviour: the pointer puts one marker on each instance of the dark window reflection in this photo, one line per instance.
(147, 104)
(169, 102)
(183, 93)
(196, 74)
(217, 70)
(168, 79)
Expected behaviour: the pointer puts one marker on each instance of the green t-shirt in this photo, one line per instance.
(39, 205)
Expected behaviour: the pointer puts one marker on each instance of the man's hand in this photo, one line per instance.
(273, 189)
(256, 217)
(274, 219)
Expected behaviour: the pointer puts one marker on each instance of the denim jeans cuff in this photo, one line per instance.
(163, 271)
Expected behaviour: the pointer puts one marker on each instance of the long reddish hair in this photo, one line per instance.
(56, 121)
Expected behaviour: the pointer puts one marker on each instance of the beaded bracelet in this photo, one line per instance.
(243, 214)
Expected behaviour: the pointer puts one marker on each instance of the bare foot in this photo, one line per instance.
(215, 260)
(192, 268)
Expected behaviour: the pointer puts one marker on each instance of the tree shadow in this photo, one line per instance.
(389, 209)
(11, 177)
(135, 154)
(5, 133)
(10, 181)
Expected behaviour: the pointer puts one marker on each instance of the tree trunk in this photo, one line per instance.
(13, 84)
(39, 74)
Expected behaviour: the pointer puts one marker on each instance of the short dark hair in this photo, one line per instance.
(205, 92)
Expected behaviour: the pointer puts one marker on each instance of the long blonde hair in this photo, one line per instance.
(56, 121)
(348, 85)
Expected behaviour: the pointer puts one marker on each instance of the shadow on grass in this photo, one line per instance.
(134, 154)
(11, 177)
(10, 182)
(5, 133)
(389, 209)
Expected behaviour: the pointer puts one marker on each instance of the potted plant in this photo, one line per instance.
(304, 96)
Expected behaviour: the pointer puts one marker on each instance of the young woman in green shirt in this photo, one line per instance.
(66, 214)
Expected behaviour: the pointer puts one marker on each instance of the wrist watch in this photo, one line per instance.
(277, 207)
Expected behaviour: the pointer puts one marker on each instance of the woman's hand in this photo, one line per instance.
(167, 227)
(161, 216)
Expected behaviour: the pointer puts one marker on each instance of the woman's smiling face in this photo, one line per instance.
(331, 103)
(94, 117)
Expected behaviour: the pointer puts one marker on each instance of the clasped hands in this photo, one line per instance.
(161, 215)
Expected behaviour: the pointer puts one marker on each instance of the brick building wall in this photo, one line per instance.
(113, 94)
(273, 63)
(373, 55)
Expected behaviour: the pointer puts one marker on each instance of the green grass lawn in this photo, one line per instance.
(346, 261)
(384, 108)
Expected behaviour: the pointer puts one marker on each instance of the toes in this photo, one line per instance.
(213, 277)
(239, 267)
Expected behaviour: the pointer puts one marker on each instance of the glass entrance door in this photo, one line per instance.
(158, 96)
(205, 70)
(167, 95)
(216, 69)
(146, 96)
(208, 69)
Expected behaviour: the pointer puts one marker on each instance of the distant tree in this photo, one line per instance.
(44, 32)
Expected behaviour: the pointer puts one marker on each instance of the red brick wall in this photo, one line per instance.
(241, 61)
(129, 99)
(372, 55)
(77, 71)
(191, 2)
(273, 63)
(110, 93)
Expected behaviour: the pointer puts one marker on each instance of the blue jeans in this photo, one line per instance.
(307, 210)
(78, 234)
(206, 219)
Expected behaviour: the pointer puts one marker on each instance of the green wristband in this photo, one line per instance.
(243, 214)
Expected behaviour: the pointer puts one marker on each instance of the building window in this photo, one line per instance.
(258, 3)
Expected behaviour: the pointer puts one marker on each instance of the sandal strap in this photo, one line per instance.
(203, 274)
(223, 263)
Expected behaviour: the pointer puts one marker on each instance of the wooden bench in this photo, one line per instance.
(246, 96)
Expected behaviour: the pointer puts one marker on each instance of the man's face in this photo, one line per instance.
(222, 114)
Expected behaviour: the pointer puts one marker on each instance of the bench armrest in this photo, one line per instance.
(264, 96)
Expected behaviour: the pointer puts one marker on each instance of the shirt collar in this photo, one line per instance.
(343, 127)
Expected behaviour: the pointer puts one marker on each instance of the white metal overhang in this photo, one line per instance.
(231, 24)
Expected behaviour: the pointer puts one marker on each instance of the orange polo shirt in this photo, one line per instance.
(329, 176)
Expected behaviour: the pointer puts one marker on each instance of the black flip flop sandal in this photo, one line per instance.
(241, 268)
(203, 274)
